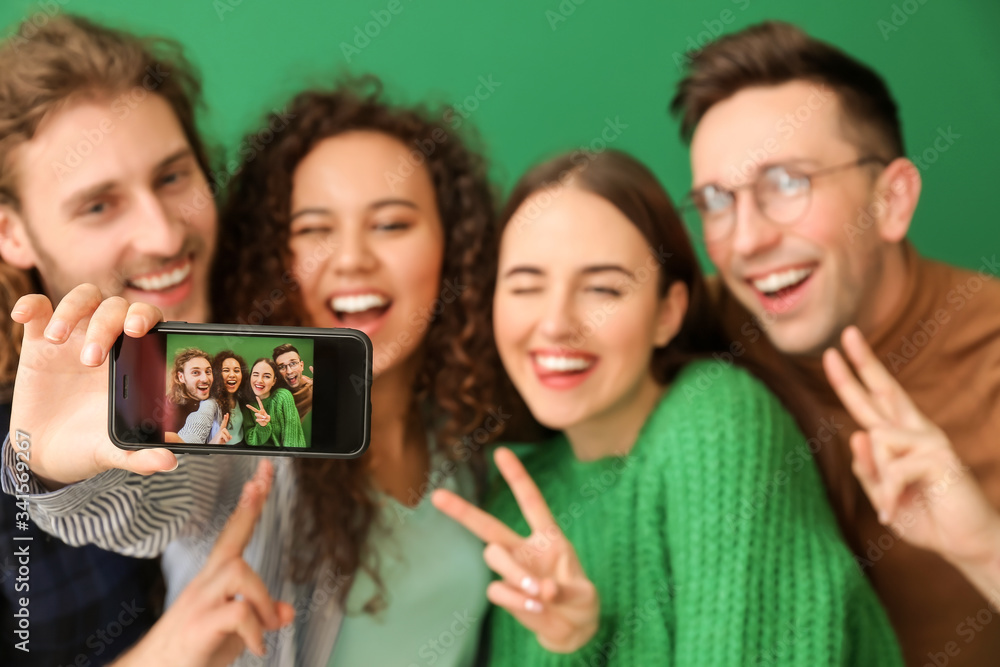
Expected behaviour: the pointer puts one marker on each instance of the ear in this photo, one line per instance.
(15, 245)
(897, 191)
(673, 308)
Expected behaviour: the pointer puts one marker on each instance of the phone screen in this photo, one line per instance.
(257, 390)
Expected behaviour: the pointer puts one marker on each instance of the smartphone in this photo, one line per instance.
(242, 389)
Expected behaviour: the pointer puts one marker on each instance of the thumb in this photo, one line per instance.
(147, 461)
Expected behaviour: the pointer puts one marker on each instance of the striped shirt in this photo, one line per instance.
(179, 514)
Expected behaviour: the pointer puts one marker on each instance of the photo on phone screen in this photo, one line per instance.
(273, 390)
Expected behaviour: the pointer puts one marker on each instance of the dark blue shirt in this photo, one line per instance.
(85, 605)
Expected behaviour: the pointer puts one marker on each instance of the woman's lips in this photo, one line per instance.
(562, 371)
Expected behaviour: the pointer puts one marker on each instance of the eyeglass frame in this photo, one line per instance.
(690, 204)
(289, 366)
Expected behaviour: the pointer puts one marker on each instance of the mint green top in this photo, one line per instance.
(711, 543)
(434, 580)
(284, 429)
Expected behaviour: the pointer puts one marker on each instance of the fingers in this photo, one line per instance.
(260, 403)
(78, 305)
(529, 498)
(236, 535)
(142, 461)
(225, 422)
(875, 376)
(481, 524)
(503, 563)
(141, 318)
(103, 330)
(513, 599)
(236, 578)
(855, 397)
(255, 410)
(237, 617)
(33, 311)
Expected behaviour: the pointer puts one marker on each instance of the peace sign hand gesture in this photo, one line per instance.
(260, 413)
(223, 436)
(544, 586)
(906, 464)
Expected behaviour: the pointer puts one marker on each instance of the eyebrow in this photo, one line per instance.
(763, 166)
(588, 270)
(374, 206)
(77, 198)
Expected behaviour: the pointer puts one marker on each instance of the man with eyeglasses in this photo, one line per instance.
(804, 196)
(290, 366)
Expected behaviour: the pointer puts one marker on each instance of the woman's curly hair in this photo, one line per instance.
(252, 283)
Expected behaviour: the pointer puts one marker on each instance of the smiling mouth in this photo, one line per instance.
(357, 310)
(232, 384)
(163, 280)
(563, 364)
(781, 283)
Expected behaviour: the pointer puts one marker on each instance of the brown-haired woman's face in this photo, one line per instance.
(262, 379)
(367, 242)
(576, 311)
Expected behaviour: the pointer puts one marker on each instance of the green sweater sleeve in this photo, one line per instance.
(290, 424)
(284, 429)
(762, 575)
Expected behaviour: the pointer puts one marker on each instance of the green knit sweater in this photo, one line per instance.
(711, 543)
(284, 429)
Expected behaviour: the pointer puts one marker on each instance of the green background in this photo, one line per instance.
(250, 348)
(559, 80)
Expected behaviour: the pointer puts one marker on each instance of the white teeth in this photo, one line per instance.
(780, 280)
(357, 303)
(163, 281)
(562, 363)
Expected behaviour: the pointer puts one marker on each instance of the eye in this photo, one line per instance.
(173, 177)
(610, 291)
(316, 229)
(391, 226)
(713, 199)
(785, 181)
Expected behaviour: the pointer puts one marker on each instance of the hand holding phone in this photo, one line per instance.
(59, 411)
(238, 389)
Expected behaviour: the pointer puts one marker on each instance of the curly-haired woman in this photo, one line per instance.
(364, 214)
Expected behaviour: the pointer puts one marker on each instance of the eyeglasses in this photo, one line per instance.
(291, 366)
(782, 193)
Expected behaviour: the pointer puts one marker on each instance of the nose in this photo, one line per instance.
(156, 230)
(352, 252)
(753, 233)
(559, 319)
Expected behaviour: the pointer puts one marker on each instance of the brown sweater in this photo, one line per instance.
(942, 343)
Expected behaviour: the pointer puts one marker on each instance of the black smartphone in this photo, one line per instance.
(242, 389)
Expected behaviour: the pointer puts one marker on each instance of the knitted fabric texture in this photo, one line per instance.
(711, 543)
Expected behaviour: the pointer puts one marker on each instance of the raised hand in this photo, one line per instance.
(906, 464)
(260, 414)
(224, 609)
(223, 436)
(61, 390)
(544, 586)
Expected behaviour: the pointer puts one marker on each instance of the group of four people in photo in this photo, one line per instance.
(682, 497)
(218, 400)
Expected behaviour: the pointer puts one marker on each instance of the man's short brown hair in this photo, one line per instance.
(70, 59)
(773, 53)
